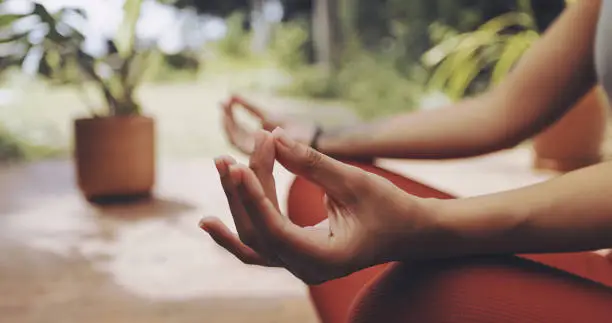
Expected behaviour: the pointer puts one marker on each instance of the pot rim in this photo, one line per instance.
(114, 118)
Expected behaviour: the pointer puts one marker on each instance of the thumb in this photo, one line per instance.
(334, 177)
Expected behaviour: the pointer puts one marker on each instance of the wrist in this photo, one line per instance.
(477, 226)
(436, 236)
(428, 233)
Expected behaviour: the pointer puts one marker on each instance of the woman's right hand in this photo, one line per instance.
(371, 221)
(244, 139)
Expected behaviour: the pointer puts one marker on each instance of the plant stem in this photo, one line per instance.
(86, 100)
(108, 95)
(525, 6)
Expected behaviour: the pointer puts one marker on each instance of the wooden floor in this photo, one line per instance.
(63, 260)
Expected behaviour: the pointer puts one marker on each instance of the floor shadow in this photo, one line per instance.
(141, 207)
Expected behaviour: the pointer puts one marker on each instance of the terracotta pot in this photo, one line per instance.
(576, 140)
(115, 157)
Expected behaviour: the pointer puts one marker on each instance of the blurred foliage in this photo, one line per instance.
(293, 9)
(392, 46)
(118, 73)
(177, 67)
(15, 149)
(372, 87)
(460, 60)
(370, 82)
(57, 39)
(470, 62)
(11, 148)
(289, 44)
(376, 87)
(221, 8)
(236, 43)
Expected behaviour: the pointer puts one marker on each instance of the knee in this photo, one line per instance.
(305, 205)
(445, 291)
(395, 296)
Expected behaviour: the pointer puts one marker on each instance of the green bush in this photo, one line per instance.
(289, 45)
(313, 82)
(236, 42)
(11, 148)
(375, 87)
(371, 85)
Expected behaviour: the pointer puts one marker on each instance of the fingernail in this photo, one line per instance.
(282, 137)
(202, 225)
(234, 173)
(220, 165)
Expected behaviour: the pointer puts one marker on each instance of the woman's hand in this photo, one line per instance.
(371, 221)
(244, 140)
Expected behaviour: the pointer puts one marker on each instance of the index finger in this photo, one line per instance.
(282, 234)
(256, 111)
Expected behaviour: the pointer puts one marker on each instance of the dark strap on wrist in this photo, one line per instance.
(314, 144)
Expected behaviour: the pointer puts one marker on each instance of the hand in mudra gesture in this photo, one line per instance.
(244, 139)
(370, 219)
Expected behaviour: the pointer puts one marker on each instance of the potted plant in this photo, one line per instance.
(459, 61)
(114, 147)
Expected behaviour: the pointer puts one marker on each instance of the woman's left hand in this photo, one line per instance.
(371, 221)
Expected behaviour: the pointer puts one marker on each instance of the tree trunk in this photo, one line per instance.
(327, 33)
(261, 27)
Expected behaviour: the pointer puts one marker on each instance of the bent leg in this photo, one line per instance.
(531, 288)
(495, 289)
(306, 208)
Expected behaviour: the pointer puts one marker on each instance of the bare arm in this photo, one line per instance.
(552, 76)
(567, 214)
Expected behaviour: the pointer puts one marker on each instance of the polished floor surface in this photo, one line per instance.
(63, 260)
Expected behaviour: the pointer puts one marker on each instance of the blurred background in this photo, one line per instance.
(372, 57)
(64, 259)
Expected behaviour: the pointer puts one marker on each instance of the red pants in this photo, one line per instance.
(573, 287)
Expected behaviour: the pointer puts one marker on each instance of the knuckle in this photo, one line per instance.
(247, 261)
(275, 241)
(312, 158)
(362, 181)
(249, 240)
(279, 244)
(309, 281)
(229, 196)
(313, 280)
(255, 164)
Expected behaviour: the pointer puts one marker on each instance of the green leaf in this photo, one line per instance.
(458, 69)
(44, 15)
(7, 20)
(514, 49)
(500, 23)
(126, 35)
(141, 66)
(12, 37)
(463, 76)
(54, 60)
(440, 52)
(444, 72)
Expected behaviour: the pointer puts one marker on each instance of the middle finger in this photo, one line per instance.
(262, 164)
(244, 226)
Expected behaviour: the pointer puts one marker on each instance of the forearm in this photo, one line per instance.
(468, 128)
(549, 79)
(567, 214)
